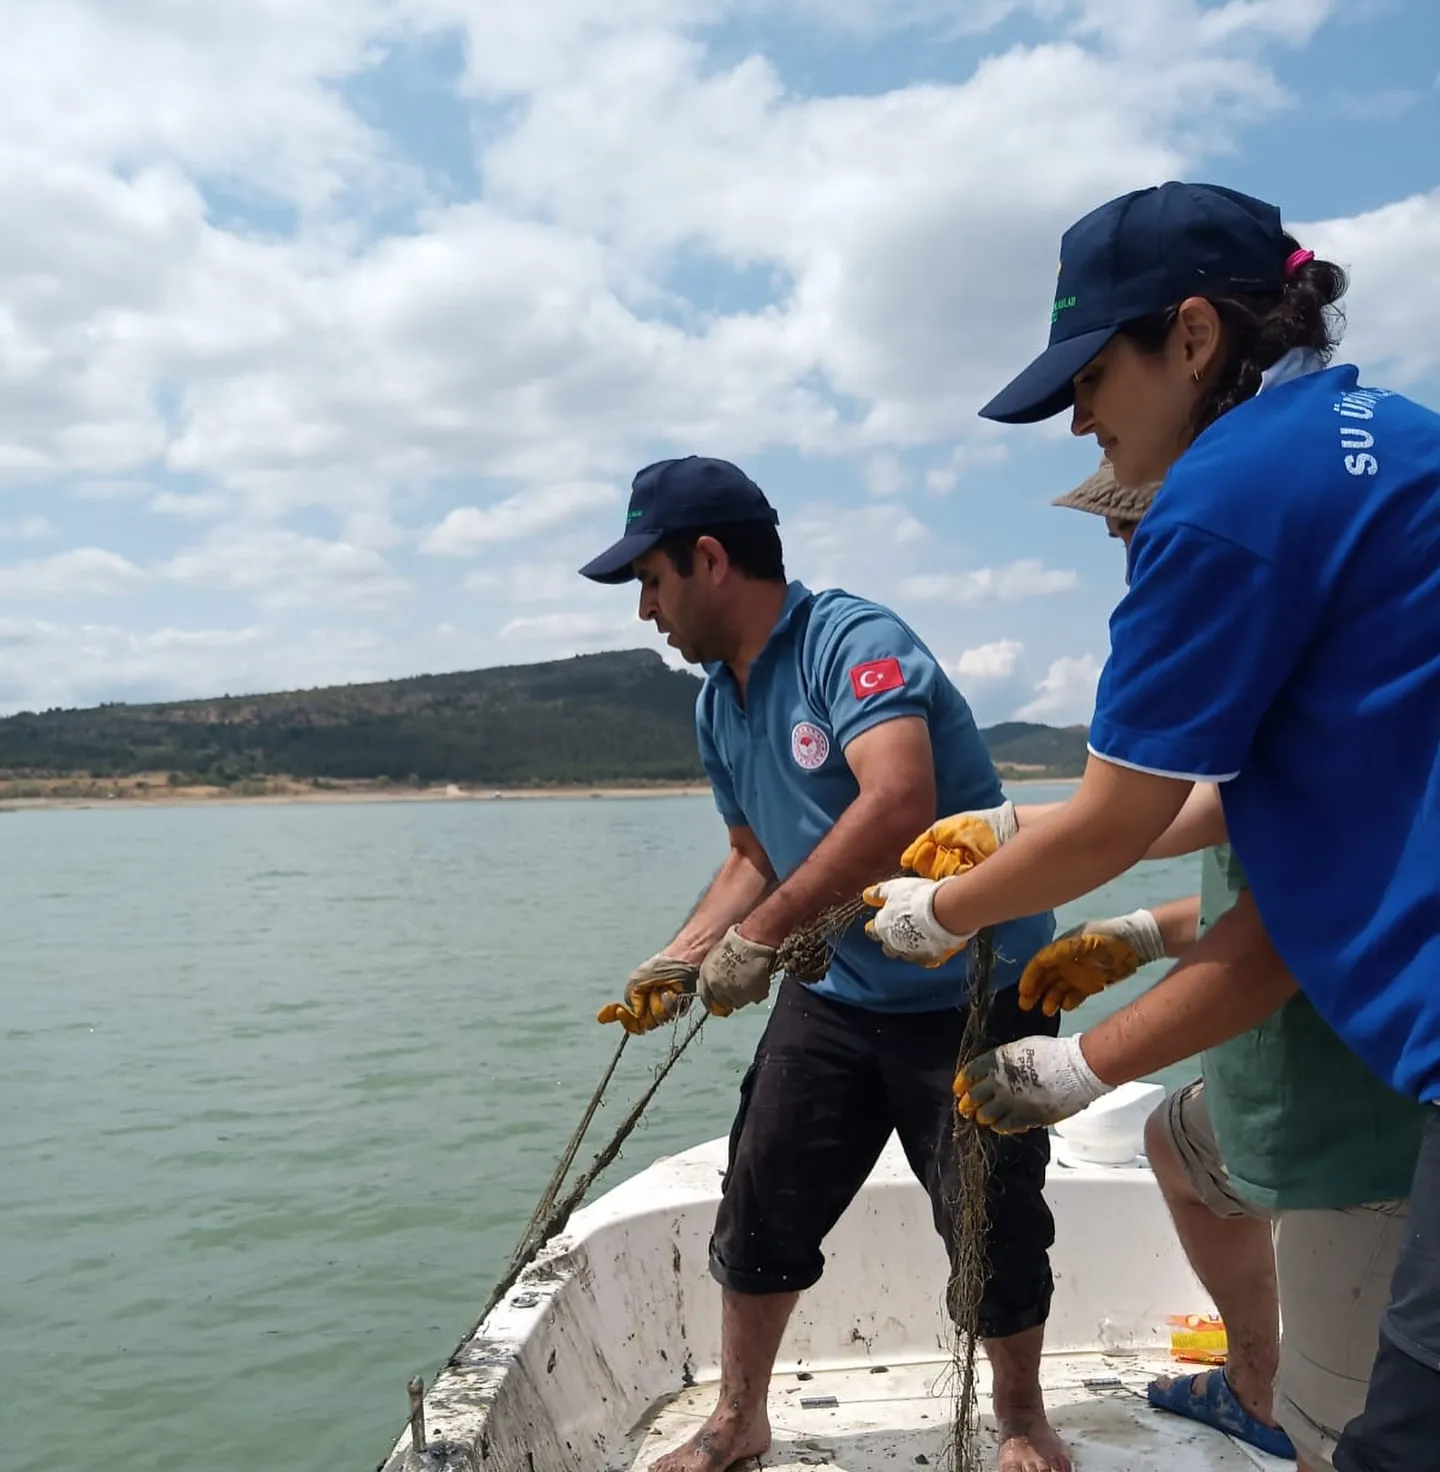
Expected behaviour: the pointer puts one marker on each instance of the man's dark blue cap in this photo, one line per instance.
(677, 496)
(1140, 254)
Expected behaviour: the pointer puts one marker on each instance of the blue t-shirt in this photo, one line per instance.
(1281, 635)
(834, 666)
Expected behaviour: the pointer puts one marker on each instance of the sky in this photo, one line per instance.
(332, 331)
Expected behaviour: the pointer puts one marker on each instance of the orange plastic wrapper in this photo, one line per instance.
(1198, 1339)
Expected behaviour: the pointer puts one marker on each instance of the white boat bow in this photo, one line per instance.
(604, 1353)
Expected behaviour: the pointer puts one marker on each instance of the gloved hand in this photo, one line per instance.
(1088, 958)
(734, 973)
(1027, 1084)
(658, 990)
(905, 925)
(960, 841)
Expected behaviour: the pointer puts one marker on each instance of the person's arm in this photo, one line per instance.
(894, 769)
(1106, 826)
(1179, 922)
(1231, 979)
(1084, 960)
(1200, 823)
(741, 883)
(1191, 674)
(1027, 814)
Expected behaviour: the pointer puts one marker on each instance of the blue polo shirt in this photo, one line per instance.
(1281, 634)
(834, 666)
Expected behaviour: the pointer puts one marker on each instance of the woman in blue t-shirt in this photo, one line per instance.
(1279, 644)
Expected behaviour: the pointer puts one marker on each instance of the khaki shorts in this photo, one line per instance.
(1333, 1268)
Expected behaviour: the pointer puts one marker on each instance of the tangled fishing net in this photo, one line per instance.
(806, 955)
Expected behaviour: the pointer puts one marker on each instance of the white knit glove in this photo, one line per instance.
(905, 924)
(1027, 1084)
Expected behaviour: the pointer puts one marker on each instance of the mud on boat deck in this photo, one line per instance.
(869, 1419)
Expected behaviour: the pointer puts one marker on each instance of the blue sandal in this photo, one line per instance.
(1217, 1406)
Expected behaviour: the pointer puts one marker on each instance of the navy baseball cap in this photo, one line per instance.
(1142, 253)
(677, 496)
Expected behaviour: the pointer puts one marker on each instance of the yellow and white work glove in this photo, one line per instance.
(734, 973)
(905, 924)
(657, 991)
(1027, 1084)
(961, 841)
(1088, 958)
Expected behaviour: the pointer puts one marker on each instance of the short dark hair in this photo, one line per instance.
(753, 547)
(1259, 331)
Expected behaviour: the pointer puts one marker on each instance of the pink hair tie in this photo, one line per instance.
(1296, 259)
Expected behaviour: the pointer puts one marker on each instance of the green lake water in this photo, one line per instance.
(279, 1087)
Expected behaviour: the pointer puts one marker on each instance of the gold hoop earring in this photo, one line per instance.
(1195, 374)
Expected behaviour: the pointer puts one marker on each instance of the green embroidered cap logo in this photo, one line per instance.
(634, 514)
(1061, 302)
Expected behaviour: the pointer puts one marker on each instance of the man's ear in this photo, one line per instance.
(711, 559)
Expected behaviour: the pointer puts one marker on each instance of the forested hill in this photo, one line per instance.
(621, 717)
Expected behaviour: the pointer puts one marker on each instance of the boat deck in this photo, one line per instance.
(873, 1418)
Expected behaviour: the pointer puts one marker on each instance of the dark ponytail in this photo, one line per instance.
(1259, 331)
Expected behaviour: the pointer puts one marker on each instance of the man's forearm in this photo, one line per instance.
(733, 893)
(1027, 814)
(1179, 920)
(1230, 980)
(862, 848)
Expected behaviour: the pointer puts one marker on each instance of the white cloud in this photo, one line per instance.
(1025, 578)
(829, 545)
(287, 570)
(1066, 696)
(199, 506)
(885, 476)
(577, 629)
(531, 333)
(972, 455)
(988, 661)
(468, 529)
(531, 582)
(84, 570)
(45, 664)
(28, 529)
(1393, 329)
(290, 315)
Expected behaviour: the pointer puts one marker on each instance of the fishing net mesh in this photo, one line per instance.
(806, 955)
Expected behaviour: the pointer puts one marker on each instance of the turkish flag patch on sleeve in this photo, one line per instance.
(877, 675)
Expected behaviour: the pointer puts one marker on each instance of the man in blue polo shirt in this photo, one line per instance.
(830, 735)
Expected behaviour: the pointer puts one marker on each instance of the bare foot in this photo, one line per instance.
(726, 1438)
(1259, 1402)
(1028, 1444)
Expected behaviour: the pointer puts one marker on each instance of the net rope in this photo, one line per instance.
(805, 955)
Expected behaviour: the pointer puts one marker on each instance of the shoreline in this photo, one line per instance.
(305, 796)
(321, 797)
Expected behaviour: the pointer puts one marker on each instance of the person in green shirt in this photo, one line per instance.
(1286, 1164)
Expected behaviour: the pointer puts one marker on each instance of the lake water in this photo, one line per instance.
(280, 1086)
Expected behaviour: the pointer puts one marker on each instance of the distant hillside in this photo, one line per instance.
(621, 717)
(1056, 751)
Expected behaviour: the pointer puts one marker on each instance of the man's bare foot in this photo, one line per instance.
(1028, 1444)
(726, 1438)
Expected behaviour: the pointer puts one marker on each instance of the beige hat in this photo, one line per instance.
(1102, 494)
